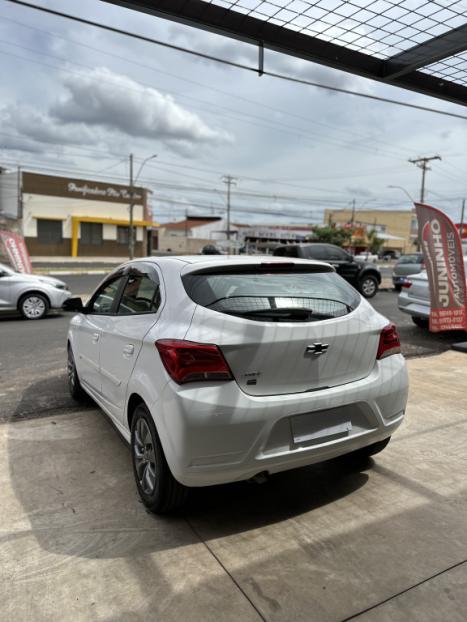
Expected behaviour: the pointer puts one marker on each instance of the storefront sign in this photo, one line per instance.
(16, 251)
(34, 183)
(442, 251)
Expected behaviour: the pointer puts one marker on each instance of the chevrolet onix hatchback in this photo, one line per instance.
(219, 369)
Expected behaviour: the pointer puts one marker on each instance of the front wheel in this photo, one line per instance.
(33, 306)
(368, 286)
(157, 487)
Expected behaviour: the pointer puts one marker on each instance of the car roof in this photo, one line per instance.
(185, 262)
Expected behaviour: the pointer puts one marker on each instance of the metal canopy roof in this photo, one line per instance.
(413, 44)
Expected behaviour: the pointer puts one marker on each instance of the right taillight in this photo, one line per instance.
(389, 342)
(406, 284)
(186, 361)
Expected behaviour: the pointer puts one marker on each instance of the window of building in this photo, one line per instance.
(123, 234)
(91, 233)
(49, 231)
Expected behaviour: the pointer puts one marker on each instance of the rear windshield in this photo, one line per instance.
(292, 295)
(410, 259)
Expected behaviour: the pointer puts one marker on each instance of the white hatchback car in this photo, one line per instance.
(218, 369)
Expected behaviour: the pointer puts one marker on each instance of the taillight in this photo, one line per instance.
(186, 361)
(406, 284)
(389, 342)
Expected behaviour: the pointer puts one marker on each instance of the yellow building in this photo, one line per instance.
(397, 228)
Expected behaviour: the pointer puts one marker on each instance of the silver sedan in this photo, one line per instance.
(31, 294)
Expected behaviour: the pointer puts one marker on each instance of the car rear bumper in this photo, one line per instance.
(219, 434)
(413, 306)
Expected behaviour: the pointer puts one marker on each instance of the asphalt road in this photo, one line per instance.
(32, 359)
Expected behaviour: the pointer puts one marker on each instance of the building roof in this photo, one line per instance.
(413, 44)
(189, 223)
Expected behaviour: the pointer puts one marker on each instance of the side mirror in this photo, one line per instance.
(74, 304)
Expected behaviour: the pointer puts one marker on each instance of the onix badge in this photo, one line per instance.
(317, 348)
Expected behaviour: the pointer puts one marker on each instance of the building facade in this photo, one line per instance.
(67, 217)
(398, 228)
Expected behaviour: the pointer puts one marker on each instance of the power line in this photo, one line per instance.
(223, 61)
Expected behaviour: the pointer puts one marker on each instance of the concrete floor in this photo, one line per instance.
(384, 541)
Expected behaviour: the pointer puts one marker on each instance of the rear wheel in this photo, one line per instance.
(33, 306)
(398, 288)
(158, 489)
(74, 385)
(368, 286)
(421, 322)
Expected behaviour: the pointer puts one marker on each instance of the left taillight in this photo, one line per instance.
(389, 342)
(187, 361)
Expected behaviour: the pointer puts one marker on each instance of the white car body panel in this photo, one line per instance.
(220, 431)
(14, 285)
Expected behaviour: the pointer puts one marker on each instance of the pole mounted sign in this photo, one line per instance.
(16, 251)
(442, 250)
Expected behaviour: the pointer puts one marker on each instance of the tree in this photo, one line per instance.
(374, 242)
(331, 234)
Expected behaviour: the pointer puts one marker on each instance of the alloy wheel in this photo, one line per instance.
(368, 287)
(145, 458)
(33, 307)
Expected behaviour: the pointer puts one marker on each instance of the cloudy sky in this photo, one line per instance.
(77, 100)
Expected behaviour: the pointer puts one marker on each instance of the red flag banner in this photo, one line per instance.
(16, 251)
(442, 251)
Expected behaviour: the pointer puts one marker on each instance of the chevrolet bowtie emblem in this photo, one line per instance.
(317, 348)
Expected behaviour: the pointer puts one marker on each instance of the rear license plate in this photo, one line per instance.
(304, 431)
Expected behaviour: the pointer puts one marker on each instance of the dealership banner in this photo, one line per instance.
(442, 251)
(15, 249)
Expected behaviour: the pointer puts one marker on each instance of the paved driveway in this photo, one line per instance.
(385, 541)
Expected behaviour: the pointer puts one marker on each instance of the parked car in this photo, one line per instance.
(407, 264)
(366, 257)
(30, 294)
(414, 298)
(220, 369)
(364, 277)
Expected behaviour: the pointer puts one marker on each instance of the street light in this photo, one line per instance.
(131, 240)
(404, 191)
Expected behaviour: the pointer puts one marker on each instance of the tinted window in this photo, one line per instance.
(315, 251)
(103, 299)
(410, 259)
(49, 231)
(140, 295)
(322, 293)
(335, 253)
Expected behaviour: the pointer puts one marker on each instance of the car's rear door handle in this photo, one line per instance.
(95, 337)
(128, 350)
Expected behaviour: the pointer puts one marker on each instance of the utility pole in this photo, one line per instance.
(229, 182)
(461, 227)
(131, 241)
(423, 164)
(353, 212)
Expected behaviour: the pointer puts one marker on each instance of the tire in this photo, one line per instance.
(74, 385)
(398, 288)
(368, 286)
(157, 487)
(421, 322)
(370, 450)
(33, 306)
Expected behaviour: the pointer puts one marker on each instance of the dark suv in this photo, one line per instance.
(364, 277)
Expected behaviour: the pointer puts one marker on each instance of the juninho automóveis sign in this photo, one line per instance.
(442, 250)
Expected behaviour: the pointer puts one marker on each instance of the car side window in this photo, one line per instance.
(103, 300)
(316, 251)
(336, 254)
(140, 295)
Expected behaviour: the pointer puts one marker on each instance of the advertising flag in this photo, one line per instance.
(442, 251)
(16, 251)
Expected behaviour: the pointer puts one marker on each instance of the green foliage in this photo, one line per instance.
(331, 234)
(374, 242)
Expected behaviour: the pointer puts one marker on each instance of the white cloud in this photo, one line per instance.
(115, 102)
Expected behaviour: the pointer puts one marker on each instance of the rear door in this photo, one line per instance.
(123, 333)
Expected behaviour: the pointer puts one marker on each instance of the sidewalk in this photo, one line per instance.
(382, 543)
